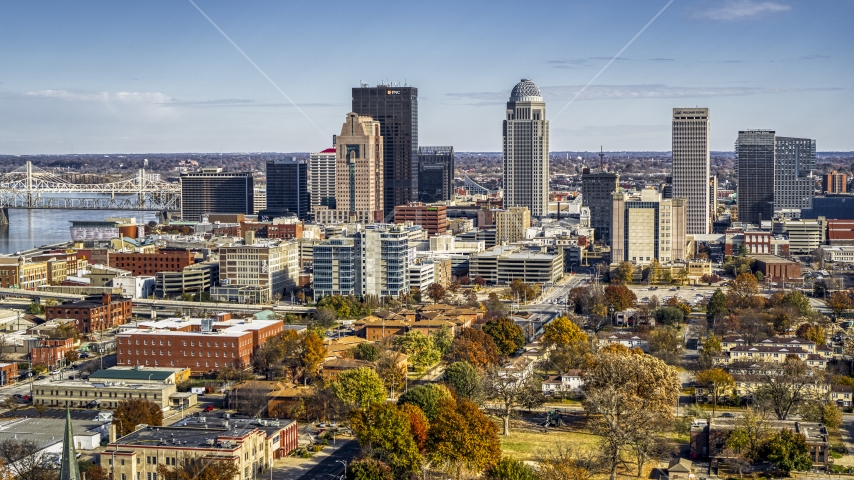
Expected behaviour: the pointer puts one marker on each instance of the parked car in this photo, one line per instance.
(209, 408)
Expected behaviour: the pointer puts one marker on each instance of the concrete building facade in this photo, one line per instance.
(648, 227)
(794, 183)
(359, 182)
(510, 224)
(321, 173)
(526, 150)
(691, 166)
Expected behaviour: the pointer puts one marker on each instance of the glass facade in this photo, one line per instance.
(754, 160)
(287, 187)
(396, 108)
(435, 174)
(216, 192)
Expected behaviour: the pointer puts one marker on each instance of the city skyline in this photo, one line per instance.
(82, 79)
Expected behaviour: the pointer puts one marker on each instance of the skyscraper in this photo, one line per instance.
(794, 163)
(754, 163)
(213, 191)
(691, 166)
(435, 174)
(647, 227)
(526, 150)
(321, 172)
(287, 187)
(596, 194)
(358, 174)
(396, 109)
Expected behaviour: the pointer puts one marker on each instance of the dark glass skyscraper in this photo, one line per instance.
(213, 191)
(396, 108)
(754, 162)
(435, 174)
(287, 187)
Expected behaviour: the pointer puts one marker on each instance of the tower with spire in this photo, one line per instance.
(68, 468)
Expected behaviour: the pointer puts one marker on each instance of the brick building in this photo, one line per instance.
(95, 313)
(202, 345)
(18, 273)
(431, 217)
(149, 264)
(840, 232)
(834, 182)
(8, 373)
(777, 269)
(50, 351)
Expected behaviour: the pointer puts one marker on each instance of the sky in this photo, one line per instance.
(158, 76)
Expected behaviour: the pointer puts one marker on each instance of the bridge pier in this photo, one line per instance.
(4, 216)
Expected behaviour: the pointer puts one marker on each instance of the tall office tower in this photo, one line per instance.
(287, 187)
(321, 171)
(596, 191)
(691, 165)
(396, 108)
(754, 165)
(358, 174)
(648, 227)
(213, 191)
(794, 163)
(526, 150)
(713, 198)
(435, 174)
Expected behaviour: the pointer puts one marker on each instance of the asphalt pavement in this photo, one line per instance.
(328, 468)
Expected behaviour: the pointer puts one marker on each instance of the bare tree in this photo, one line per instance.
(511, 391)
(25, 460)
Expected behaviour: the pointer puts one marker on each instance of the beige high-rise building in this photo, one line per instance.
(358, 174)
(510, 224)
(321, 178)
(526, 150)
(648, 227)
(691, 166)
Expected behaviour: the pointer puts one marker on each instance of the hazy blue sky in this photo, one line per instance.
(155, 76)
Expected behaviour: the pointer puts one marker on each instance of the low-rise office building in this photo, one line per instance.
(250, 445)
(505, 263)
(165, 260)
(95, 313)
(202, 345)
(85, 393)
(199, 277)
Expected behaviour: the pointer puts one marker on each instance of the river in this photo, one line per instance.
(34, 228)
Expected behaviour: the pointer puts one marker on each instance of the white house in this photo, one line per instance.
(568, 383)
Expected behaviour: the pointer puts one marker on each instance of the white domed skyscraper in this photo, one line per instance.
(526, 150)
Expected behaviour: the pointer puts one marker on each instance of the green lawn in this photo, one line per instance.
(528, 445)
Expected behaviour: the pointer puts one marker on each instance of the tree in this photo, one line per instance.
(620, 297)
(628, 396)
(418, 423)
(839, 302)
(436, 292)
(71, 356)
(783, 387)
(325, 317)
(798, 301)
(677, 303)
(366, 351)
(426, 397)
(136, 411)
(654, 273)
(743, 291)
(479, 281)
(464, 379)
(421, 348)
(711, 348)
(821, 411)
(359, 388)
(811, 332)
(669, 316)
(66, 330)
(748, 435)
(314, 354)
(201, 469)
(368, 469)
(35, 308)
(462, 438)
(26, 460)
(510, 391)
(385, 433)
(92, 471)
(324, 405)
(562, 331)
(392, 370)
(716, 308)
(473, 346)
(443, 339)
(494, 307)
(664, 343)
(718, 382)
(625, 271)
(788, 450)
(562, 463)
(524, 291)
(819, 288)
(510, 469)
(508, 336)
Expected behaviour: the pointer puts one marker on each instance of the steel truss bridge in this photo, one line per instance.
(32, 187)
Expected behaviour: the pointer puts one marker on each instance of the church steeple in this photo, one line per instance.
(68, 468)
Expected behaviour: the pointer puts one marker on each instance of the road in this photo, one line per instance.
(328, 468)
(544, 310)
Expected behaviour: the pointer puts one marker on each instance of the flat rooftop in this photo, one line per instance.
(153, 387)
(46, 431)
(198, 431)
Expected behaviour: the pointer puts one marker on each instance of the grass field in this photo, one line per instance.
(526, 444)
